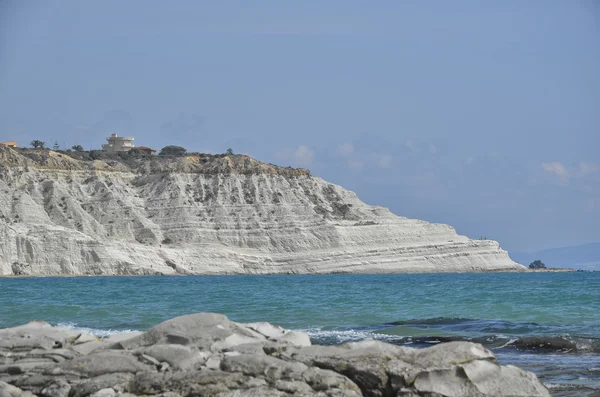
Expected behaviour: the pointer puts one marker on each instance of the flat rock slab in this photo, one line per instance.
(102, 363)
(206, 354)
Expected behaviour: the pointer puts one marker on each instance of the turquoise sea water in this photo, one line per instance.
(546, 322)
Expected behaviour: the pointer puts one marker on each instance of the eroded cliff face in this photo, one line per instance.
(208, 215)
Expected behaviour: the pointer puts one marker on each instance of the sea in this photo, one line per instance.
(548, 323)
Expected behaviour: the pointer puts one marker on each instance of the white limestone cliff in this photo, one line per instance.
(204, 214)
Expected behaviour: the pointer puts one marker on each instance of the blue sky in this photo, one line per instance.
(483, 115)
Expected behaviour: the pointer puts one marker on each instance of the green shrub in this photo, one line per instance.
(172, 150)
(37, 144)
(537, 264)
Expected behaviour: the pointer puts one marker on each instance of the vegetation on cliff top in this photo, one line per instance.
(139, 162)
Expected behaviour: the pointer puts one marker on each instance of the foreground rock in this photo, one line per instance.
(204, 214)
(208, 355)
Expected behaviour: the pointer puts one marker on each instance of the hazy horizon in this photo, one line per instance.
(483, 116)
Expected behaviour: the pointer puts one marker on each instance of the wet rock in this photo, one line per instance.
(544, 343)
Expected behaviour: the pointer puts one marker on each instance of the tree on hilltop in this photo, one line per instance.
(172, 150)
(229, 151)
(77, 148)
(37, 144)
(537, 264)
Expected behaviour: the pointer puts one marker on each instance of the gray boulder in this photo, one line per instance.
(200, 330)
(206, 354)
(448, 369)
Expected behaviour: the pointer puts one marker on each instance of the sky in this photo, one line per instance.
(482, 115)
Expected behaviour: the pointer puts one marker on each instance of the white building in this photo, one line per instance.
(118, 144)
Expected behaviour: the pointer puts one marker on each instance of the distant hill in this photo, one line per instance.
(585, 256)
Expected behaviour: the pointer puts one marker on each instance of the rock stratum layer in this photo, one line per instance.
(206, 214)
(206, 354)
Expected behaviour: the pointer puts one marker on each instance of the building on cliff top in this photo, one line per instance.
(118, 144)
(9, 144)
(146, 150)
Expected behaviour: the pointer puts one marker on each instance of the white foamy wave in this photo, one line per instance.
(508, 343)
(336, 336)
(568, 386)
(99, 333)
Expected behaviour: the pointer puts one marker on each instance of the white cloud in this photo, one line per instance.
(356, 164)
(301, 156)
(384, 160)
(304, 155)
(345, 149)
(556, 168)
(588, 168)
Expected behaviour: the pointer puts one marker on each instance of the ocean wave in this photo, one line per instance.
(560, 344)
(459, 325)
(100, 333)
(497, 334)
(422, 338)
(532, 344)
(434, 321)
(330, 337)
(571, 390)
(470, 325)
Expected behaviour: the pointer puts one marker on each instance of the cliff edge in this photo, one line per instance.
(71, 214)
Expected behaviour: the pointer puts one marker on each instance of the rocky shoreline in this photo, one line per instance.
(227, 274)
(206, 354)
